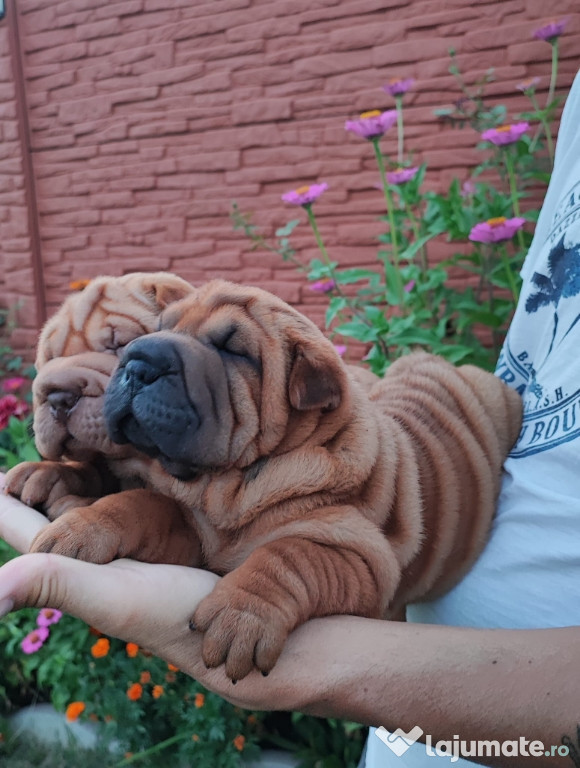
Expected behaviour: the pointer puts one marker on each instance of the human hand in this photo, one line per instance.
(137, 602)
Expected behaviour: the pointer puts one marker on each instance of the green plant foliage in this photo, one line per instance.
(407, 301)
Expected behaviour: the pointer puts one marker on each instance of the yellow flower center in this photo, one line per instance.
(503, 128)
(394, 80)
(302, 190)
(371, 113)
(497, 222)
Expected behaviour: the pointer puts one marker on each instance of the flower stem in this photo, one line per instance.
(509, 273)
(390, 214)
(152, 750)
(554, 75)
(509, 164)
(331, 271)
(319, 241)
(546, 126)
(400, 129)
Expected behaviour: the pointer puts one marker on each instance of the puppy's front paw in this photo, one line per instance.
(72, 536)
(241, 630)
(42, 484)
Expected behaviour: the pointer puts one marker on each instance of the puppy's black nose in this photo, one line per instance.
(61, 404)
(148, 359)
(142, 371)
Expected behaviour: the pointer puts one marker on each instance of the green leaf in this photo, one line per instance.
(346, 276)
(336, 305)
(288, 228)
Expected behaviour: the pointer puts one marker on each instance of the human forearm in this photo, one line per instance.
(477, 684)
(474, 684)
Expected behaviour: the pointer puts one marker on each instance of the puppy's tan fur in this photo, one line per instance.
(77, 352)
(331, 492)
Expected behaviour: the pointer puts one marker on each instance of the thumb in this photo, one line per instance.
(150, 605)
(140, 602)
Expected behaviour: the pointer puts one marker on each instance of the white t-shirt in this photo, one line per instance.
(528, 576)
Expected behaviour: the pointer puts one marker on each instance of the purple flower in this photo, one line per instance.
(551, 31)
(323, 286)
(496, 230)
(11, 385)
(340, 348)
(35, 640)
(397, 86)
(529, 85)
(48, 616)
(305, 195)
(371, 125)
(401, 175)
(467, 188)
(505, 134)
(409, 286)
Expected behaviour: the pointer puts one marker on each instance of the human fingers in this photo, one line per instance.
(19, 524)
(143, 603)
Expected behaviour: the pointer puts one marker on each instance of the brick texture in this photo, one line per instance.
(16, 278)
(148, 118)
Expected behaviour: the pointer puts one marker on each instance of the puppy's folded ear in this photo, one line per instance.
(316, 380)
(165, 289)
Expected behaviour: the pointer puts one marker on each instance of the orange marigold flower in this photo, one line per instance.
(101, 648)
(239, 742)
(132, 650)
(135, 691)
(172, 668)
(157, 691)
(170, 677)
(145, 677)
(195, 737)
(74, 709)
(199, 700)
(78, 285)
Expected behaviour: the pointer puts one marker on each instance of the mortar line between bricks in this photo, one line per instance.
(27, 165)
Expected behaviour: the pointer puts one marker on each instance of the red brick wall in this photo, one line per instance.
(17, 284)
(148, 117)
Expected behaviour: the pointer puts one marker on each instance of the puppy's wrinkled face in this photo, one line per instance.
(78, 351)
(232, 370)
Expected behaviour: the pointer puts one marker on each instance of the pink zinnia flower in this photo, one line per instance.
(505, 134)
(401, 175)
(11, 385)
(550, 31)
(397, 86)
(496, 230)
(34, 640)
(340, 348)
(323, 286)
(467, 188)
(48, 616)
(10, 405)
(373, 124)
(305, 195)
(529, 85)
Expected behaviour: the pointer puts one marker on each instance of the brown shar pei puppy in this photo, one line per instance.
(316, 490)
(77, 352)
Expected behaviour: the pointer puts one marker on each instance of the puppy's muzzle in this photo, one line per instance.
(61, 403)
(146, 403)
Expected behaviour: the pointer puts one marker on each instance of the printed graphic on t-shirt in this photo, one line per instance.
(535, 365)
